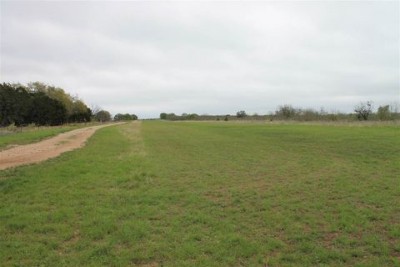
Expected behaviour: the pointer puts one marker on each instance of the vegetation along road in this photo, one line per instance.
(160, 193)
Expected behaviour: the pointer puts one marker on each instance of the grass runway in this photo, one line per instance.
(209, 194)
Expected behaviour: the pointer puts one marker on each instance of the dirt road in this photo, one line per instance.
(46, 149)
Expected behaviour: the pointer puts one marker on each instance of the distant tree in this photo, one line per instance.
(163, 116)
(172, 116)
(241, 114)
(286, 112)
(118, 117)
(102, 116)
(384, 113)
(226, 118)
(192, 116)
(308, 114)
(363, 110)
(125, 117)
(394, 109)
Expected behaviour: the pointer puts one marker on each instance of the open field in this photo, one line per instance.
(209, 194)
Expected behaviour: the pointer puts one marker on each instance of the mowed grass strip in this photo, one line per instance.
(209, 194)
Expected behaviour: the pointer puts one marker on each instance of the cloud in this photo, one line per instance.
(206, 57)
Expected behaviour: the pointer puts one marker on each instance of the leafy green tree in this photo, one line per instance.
(76, 109)
(40, 104)
(118, 117)
(47, 111)
(103, 116)
(80, 112)
(163, 116)
(15, 103)
(55, 93)
(71, 105)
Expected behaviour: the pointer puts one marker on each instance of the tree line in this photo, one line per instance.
(362, 111)
(41, 104)
(125, 117)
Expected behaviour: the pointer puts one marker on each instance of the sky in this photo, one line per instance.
(206, 57)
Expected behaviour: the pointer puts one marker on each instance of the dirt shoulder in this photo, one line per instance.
(46, 149)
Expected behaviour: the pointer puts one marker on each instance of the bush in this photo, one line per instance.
(384, 113)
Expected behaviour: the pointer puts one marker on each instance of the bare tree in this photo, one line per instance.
(95, 109)
(363, 110)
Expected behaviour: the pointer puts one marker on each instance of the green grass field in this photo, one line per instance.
(209, 194)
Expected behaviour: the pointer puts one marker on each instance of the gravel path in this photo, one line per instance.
(46, 149)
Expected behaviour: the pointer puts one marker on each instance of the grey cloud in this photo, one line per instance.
(206, 57)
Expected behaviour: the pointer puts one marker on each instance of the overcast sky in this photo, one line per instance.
(206, 57)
